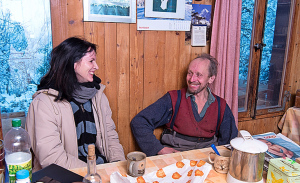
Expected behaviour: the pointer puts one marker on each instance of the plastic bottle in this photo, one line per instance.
(92, 175)
(17, 151)
(22, 176)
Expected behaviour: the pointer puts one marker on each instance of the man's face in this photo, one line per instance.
(198, 76)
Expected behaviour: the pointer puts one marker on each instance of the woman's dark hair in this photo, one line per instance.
(61, 75)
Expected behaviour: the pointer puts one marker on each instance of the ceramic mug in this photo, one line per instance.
(136, 163)
(221, 163)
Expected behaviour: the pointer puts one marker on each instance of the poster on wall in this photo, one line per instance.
(165, 8)
(163, 24)
(109, 11)
(200, 16)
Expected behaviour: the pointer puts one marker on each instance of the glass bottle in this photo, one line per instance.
(92, 176)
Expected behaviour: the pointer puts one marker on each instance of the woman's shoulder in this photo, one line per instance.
(45, 93)
(46, 98)
(100, 92)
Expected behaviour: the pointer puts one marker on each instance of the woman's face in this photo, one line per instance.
(86, 67)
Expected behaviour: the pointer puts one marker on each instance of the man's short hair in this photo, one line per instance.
(213, 66)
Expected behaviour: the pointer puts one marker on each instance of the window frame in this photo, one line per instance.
(254, 66)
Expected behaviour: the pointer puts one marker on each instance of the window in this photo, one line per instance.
(265, 30)
(25, 45)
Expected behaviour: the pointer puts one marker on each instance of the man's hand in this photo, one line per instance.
(167, 150)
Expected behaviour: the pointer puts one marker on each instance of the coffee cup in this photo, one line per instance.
(136, 163)
(221, 163)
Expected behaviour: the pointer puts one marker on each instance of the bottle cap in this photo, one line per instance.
(16, 122)
(22, 174)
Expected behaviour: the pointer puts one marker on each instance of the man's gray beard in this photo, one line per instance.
(197, 91)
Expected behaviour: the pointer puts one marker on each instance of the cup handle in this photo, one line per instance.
(210, 160)
(130, 167)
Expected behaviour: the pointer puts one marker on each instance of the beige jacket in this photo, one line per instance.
(53, 135)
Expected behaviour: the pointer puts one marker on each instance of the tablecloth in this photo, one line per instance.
(290, 124)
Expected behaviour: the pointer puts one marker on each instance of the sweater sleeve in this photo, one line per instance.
(228, 129)
(144, 123)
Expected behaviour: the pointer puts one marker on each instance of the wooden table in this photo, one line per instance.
(154, 163)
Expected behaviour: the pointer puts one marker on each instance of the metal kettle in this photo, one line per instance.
(247, 159)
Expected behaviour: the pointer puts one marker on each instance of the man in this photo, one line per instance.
(194, 117)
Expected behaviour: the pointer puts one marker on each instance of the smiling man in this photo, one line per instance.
(193, 117)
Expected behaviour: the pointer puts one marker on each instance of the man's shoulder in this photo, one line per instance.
(222, 100)
(175, 92)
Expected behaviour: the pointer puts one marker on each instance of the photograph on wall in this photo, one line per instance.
(201, 15)
(164, 5)
(109, 11)
(25, 47)
(165, 9)
(163, 24)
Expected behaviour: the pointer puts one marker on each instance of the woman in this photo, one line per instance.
(70, 111)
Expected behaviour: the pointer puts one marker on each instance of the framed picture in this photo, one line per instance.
(109, 11)
(165, 8)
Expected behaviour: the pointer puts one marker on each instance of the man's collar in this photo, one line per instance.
(210, 99)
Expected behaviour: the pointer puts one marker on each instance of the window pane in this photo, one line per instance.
(246, 31)
(25, 45)
(273, 54)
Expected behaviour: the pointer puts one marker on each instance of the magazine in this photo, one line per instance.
(279, 146)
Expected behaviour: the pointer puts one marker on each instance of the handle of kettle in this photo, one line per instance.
(245, 134)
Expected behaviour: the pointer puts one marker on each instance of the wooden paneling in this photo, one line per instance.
(139, 67)
(259, 126)
(123, 92)
(294, 78)
(58, 18)
(136, 77)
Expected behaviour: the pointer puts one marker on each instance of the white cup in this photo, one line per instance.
(136, 163)
(221, 163)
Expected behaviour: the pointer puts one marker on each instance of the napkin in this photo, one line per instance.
(184, 171)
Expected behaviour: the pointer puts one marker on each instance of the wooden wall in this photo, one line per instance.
(138, 67)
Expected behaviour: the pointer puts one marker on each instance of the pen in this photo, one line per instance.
(215, 149)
